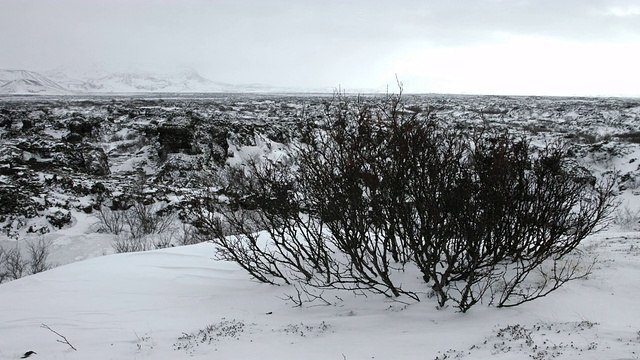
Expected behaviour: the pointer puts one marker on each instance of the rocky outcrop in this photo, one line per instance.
(88, 159)
(77, 153)
(177, 136)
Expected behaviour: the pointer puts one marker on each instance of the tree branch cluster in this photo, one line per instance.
(481, 213)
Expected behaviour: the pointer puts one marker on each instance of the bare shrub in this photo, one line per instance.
(4, 275)
(110, 221)
(163, 240)
(134, 242)
(489, 200)
(125, 244)
(15, 264)
(145, 219)
(375, 187)
(38, 253)
(189, 235)
(141, 227)
(627, 219)
(315, 211)
(542, 204)
(236, 235)
(351, 177)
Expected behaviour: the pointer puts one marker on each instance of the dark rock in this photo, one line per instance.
(36, 229)
(59, 218)
(73, 138)
(219, 147)
(84, 158)
(27, 124)
(177, 137)
(98, 188)
(82, 126)
(97, 163)
(494, 111)
(5, 121)
(10, 200)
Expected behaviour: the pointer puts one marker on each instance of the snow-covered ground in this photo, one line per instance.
(180, 303)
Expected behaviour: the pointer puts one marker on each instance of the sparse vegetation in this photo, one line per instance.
(110, 221)
(15, 264)
(533, 341)
(224, 329)
(38, 253)
(189, 236)
(63, 339)
(141, 227)
(627, 219)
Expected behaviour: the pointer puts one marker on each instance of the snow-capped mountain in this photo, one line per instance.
(97, 80)
(65, 82)
(21, 82)
(125, 82)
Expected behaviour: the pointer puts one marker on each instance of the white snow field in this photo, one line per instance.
(179, 303)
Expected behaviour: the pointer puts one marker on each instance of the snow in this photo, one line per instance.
(70, 81)
(28, 82)
(152, 305)
(160, 304)
(263, 148)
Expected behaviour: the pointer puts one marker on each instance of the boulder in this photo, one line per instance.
(81, 126)
(176, 136)
(59, 218)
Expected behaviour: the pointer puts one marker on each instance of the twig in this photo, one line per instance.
(62, 336)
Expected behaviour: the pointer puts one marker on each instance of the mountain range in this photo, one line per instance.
(60, 82)
(29, 82)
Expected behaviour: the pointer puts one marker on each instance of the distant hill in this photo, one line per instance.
(61, 82)
(98, 81)
(23, 82)
(133, 82)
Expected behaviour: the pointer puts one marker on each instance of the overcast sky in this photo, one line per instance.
(541, 47)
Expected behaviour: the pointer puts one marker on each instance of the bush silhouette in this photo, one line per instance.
(482, 213)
